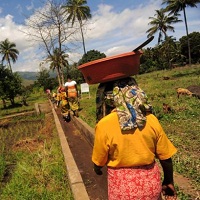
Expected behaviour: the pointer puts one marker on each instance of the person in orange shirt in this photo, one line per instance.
(128, 140)
(72, 95)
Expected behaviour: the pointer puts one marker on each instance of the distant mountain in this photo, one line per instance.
(33, 75)
(28, 75)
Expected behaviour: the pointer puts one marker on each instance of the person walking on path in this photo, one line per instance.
(65, 109)
(58, 97)
(72, 95)
(129, 140)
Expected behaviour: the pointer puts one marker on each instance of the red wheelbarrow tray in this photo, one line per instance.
(111, 68)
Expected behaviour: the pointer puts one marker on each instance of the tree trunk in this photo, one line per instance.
(12, 101)
(58, 73)
(4, 103)
(62, 76)
(188, 39)
(9, 65)
(82, 37)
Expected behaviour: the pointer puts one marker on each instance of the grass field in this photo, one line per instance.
(181, 124)
(31, 160)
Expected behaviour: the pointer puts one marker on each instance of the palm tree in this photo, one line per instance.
(161, 23)
(77, 9)
(9, 52)
(58, 60)
(175, 6)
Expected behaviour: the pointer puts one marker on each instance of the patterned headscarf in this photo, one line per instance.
(130, 101)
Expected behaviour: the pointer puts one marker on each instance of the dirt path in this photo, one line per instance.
(185, 185)
(96, 186)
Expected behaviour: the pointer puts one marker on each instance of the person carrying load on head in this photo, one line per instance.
(72, 95)
(65, 109)
(129, 140)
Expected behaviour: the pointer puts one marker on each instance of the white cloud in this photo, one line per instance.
(30, 7)
(109, 31)
(115, 32)
(19, 8)
(26, 59)
(12, 32)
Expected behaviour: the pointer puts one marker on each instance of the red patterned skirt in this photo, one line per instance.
(134, 183)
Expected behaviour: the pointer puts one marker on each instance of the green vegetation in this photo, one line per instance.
(31, 160)
(37, 96)
(9, 52)
(78, 10)
(181, 124)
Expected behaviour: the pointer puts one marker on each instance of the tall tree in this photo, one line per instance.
(10, 85)
(174, 7)
(58, 61)
(194, 46)
(161, 23)
(78, 10)
(48, 27)
(90, 56)
(9, 52)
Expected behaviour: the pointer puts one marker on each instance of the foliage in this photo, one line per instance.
(90, 56)
(32, 166)
(170, 53)
(31, 161)
(162, 23)
(174, 7)
(194, 44)
(25, 93)
(33, 94)
(10, 85)
(78, 10)
(74, 73)
(49, 28)
(58, 61)
(44, 80)
(9, 52)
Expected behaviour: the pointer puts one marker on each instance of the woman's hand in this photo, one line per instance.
(169, 192)
(97, 169)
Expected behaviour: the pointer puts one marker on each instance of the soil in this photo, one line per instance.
(195, 89)
(96, 186)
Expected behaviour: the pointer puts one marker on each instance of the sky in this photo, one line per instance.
(116, 26)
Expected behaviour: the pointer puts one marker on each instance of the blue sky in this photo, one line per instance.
(117, 26)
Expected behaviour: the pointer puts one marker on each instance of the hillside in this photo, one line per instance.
(28, 75)
(33, 75)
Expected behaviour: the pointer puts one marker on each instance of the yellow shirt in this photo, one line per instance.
(58, 97)
(63, 95)
(131, 148)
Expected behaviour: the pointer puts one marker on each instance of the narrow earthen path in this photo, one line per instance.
(96, 186)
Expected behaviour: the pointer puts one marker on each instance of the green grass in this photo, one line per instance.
(31, 160)
(37, 96)
(182, 125)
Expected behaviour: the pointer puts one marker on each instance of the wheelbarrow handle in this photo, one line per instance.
(144, 43)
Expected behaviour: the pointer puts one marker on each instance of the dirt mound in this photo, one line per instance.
(195, 89)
